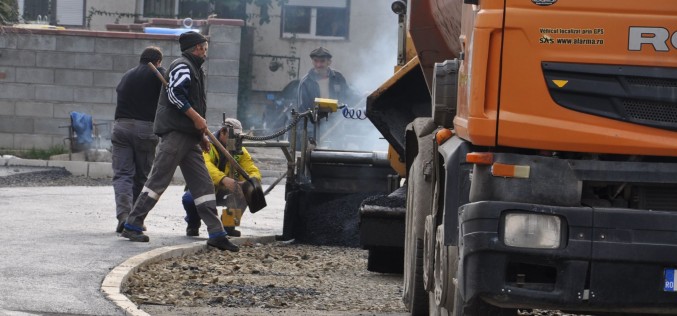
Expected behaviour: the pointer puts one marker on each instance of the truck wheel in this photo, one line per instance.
(446, 266)
(436, 310)
(429, 254)
(415, 297)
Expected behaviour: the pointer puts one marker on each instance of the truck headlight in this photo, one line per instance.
(532, 230)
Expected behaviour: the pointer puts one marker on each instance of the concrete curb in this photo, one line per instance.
(112, 285)
(88, 169)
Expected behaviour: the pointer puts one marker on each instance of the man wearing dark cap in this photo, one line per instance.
(133, 138)
(321, 82)
(180, 123)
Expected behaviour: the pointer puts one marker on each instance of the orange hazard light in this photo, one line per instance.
(443, 135)
(512, 171)
(480, 158)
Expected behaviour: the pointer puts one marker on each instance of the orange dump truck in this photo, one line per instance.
(539, 141)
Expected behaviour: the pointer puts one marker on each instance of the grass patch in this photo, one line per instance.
(43, 154)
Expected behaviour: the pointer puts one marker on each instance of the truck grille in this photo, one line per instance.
(657, 198)
(639, 95)
(650, 111)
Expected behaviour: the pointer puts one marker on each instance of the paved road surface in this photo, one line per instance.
(58, 243)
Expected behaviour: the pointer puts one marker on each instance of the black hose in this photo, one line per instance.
(280, 132)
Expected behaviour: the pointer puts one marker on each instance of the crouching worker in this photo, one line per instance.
(227, 181)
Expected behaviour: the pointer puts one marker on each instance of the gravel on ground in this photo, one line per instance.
(277, 276)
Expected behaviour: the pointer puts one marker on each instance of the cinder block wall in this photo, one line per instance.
(46, 74)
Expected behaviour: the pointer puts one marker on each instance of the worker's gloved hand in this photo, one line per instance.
(229, 184)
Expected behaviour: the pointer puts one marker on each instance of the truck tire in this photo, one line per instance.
(420, 155)
(429, 254)
(446, 267)
(415, 296)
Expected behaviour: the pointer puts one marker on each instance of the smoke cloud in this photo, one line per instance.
(371, 66)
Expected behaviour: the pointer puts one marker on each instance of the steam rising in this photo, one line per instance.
(371, 66)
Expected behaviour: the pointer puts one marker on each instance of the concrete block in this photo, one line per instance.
(223, 67)
(164, 46)
(106, 45)
(51, 126)
(224, 34)
(99, 155)
(107, 79)
(222, 84)
(103, 112)
(34, 109)
(122, 63)
(96, 95)
(7, 107)
(27, 162)
(7, 74)
(37, 42)
(8, 40)
(176, 51)
(18, 91)
(221, 101)
(68, 43)
(63, 110)
(53, 93)
(215, 116)
(29, 141)
(74, 77)
(58, 140)
(35, 75)
(99, 170)
(224, 51)
(94, 61)
(13, 57)
(6, 141)
(76, 168)
(78, 156)
(55, 60)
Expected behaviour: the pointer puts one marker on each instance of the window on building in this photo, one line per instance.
(159, 8)
(326, 19)
(36, 10)
(195, 9)
(68, 12)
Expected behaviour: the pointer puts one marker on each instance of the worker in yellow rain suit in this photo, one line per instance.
(227, 181)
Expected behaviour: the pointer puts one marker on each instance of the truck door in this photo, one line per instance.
(589, 76)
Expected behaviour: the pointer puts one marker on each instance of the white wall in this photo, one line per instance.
(99, 22)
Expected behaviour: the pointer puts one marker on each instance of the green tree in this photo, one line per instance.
(8, 12)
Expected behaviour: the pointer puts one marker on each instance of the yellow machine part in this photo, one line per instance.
(326, 105)
(231, 217)
(395, 162)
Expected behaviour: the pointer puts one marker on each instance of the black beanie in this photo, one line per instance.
(190, 39)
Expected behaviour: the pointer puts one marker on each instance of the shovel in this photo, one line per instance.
(253, 192)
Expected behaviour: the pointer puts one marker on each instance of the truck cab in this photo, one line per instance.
(541, 155)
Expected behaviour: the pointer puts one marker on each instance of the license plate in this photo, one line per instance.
(669, 284)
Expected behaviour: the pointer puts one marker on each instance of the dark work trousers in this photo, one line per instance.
(182, 150)
(223, 198)
(133, 152)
